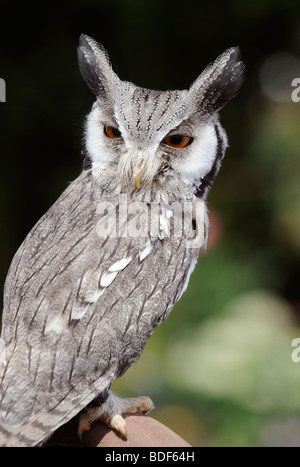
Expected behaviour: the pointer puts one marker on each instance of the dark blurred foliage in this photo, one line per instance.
(253, 260)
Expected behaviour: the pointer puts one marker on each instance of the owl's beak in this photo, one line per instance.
(139, 166)
(137, 180)
(138, 173)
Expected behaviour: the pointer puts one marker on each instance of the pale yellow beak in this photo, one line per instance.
(137, 180)
(138, 175)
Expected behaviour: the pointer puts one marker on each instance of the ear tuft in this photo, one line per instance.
(219, 82)
(94, 66)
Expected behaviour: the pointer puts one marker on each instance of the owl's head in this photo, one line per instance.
(146, 135)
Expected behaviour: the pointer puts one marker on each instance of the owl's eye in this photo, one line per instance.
(178, 141)
(112, 132)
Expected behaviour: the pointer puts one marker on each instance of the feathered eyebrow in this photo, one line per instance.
(184, 128)
(109, 121)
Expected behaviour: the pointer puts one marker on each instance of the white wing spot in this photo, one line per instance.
(107, 278)
(163, 225)
(79, 312)
(3, 361)
(96, 295)
(58, 325)
(146, 251)
(119, 265)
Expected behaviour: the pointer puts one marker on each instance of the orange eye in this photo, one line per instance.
(112, 132)
(178, 141)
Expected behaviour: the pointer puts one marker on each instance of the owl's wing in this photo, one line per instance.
(79, 307)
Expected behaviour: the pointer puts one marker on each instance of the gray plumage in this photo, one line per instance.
(85, 291)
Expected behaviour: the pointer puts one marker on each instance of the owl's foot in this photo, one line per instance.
(110, 412)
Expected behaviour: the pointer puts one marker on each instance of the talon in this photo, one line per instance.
(118, 423)
(110, 413)
(84, 425)
(144, 405)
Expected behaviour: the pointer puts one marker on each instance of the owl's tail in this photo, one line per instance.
(15, 390)
(31, 409)
(21, 412)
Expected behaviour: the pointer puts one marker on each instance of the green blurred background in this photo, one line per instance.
(220, 368)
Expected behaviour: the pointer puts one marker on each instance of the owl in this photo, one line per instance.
(108, 261)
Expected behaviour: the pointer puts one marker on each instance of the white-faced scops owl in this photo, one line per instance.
(109, 260)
